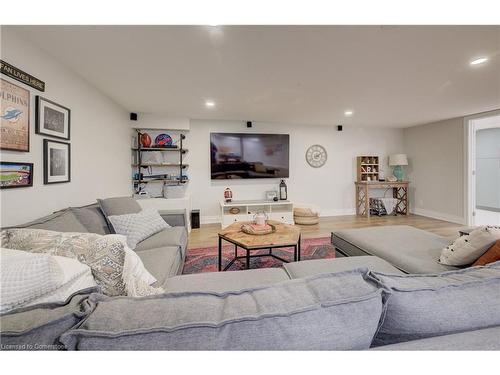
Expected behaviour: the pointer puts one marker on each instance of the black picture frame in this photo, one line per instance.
(30, 180)
(47, 162)
(40, 123)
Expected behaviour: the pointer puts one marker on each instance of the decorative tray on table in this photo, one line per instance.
(258, 229)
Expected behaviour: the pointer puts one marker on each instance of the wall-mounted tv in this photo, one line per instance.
(247, 155)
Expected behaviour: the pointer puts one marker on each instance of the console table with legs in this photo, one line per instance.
(399, 191)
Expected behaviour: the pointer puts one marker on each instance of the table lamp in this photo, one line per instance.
(397, 161)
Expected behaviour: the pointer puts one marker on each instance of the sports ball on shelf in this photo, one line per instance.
(145, 140)
(163, 140)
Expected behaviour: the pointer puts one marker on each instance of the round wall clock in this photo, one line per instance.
(316, 156)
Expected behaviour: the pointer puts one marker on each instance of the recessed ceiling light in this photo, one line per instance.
(348, 113)
(209, 104)
(479, 60)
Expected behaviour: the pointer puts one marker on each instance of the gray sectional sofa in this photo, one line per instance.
(355, 302)
(163, 254)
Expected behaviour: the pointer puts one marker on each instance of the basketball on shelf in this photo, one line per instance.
(145, 140)
(163, 140)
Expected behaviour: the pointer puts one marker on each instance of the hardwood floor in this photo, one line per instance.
(207, 234)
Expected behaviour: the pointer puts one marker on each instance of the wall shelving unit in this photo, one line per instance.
(171, 172)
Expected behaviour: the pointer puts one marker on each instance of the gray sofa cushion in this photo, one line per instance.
(324, 312)
(226, 281)
(60, 221)
(92, 218)
(313, 267)
(162, 262)
(174, 236)
(410, 249)
(118, 206)
(481, 339)
(421, 306)
(39, 327)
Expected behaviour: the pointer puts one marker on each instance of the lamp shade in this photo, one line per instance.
(398, 159)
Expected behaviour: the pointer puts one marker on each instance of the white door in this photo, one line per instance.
(486, 171)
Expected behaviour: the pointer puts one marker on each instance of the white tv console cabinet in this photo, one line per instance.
(279, 211)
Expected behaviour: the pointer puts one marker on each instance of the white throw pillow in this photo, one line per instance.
(30, 278)
(467, 249)
(138, 227)
(133, 265)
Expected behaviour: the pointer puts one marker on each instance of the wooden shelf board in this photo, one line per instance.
(161, 165)
(160, 149)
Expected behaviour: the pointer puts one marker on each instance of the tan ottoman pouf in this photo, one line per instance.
(305, 216)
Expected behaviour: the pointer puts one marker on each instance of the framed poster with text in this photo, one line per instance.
(15, 117)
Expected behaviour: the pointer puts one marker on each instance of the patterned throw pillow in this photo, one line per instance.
(105, 255)
(138, 227)
(465, 250)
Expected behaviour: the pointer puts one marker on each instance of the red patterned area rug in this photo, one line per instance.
(204, 259)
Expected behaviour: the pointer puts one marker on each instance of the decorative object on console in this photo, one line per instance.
(392, 179)
(234, 210)
(145, 140)
(465, 250)
(15, 117)
(397, 161)
(56, 162)
(367, 168)
(271, 194)
(163, 140)
(283, 191)
(52, 119)
(316, 156)
(15, 175)
(228, 195)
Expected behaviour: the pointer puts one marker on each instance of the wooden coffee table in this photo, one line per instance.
(285, 236)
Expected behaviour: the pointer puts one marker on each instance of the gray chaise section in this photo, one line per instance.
(410, 249)
(307, 268)
(481, 339)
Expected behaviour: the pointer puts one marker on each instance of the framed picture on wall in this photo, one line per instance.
(15, 175)
(52, 119)
(15, 117)
(56, 162)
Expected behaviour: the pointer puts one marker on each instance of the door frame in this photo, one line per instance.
(470, 161)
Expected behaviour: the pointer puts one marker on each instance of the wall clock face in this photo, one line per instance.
(316, 156)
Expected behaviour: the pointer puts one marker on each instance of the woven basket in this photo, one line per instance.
(304, 212)
(306, 220)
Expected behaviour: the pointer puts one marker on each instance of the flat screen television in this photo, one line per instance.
(247, 155)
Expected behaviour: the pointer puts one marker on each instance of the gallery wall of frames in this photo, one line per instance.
(52, 122)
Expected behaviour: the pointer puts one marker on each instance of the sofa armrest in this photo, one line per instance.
(175, 218)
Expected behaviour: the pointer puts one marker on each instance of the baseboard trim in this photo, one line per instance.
(210, 219)
(438, 215)
(338, 212)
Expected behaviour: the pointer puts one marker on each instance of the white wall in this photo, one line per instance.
(100, 139)
(436, 169)
(331, 187)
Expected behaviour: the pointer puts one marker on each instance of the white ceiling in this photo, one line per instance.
(395, 76)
